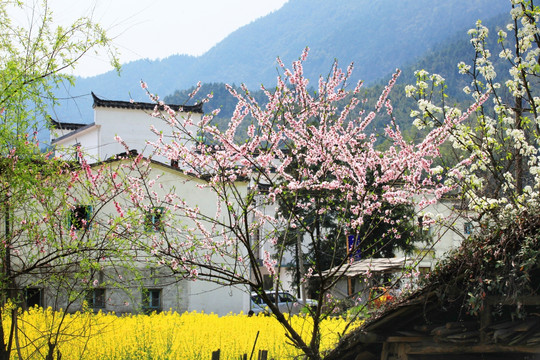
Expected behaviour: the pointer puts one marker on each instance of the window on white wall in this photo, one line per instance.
(153, 219)
(95, 298)
(76, 149)
(151, 300)
(468, 228)
(425, 226)
(80, 217)
(256, 243)
(33, 297)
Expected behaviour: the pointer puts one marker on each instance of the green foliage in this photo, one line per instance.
(33, 60)
(501, 260)
(39, 248)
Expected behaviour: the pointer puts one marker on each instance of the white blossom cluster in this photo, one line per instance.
(499, 171)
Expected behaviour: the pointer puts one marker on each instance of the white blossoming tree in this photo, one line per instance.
(498, 168)
(498, 164)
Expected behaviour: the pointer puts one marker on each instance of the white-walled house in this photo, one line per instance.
(131, 121)
(180, 294)
(450, 226)
(156, 287)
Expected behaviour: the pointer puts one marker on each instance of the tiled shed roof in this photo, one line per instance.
(65, 125)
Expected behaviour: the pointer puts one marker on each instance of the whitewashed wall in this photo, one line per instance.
(132, 125)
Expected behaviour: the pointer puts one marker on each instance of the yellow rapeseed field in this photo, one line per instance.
(160, 336)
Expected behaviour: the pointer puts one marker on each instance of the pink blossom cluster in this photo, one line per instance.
(298, 142)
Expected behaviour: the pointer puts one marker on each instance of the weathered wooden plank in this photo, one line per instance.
(422, 349)
(526, 325)
(385, 351)
(469, 325)
(520, 325)
(426, 328)
(402, 352)
(475, 334)
(469, 341)
(503, 335)
(407, 339)
(409, 333)
(534, 340)
(444, 331)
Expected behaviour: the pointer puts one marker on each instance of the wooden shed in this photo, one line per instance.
(482, 303)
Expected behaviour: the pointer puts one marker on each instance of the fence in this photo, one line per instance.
(263, 354)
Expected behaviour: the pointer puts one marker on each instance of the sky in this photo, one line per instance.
(155, 29)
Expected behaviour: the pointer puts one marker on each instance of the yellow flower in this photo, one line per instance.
(160, 336)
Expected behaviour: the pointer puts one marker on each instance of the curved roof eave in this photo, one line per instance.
(98, 102)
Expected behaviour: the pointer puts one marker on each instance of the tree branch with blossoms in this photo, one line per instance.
(299, 142)
(498, 176)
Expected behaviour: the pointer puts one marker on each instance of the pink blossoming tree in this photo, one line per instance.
(323, 133)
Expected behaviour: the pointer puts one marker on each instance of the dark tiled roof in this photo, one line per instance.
(78, 130)
(65, 125)
(143, 106)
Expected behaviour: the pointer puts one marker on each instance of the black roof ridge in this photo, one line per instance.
(65, 125)
(198, 108)
(75, 131)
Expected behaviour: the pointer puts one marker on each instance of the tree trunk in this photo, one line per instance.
(519, 157)
(4, 353)
(300, 264)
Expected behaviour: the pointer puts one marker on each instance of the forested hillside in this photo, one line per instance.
(443, 60)
(377, 36)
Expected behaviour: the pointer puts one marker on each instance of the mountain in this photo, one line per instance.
(377, 35)
(442, 59)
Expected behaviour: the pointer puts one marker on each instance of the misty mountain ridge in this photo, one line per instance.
(377, 36)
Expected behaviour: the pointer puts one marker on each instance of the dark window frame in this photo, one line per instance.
(153, 219)
(151, 300)
(80, 217)
(33, 296)
(95, 298)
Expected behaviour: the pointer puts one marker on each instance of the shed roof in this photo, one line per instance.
(484, 300)
(77, 130)
(361, 267)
